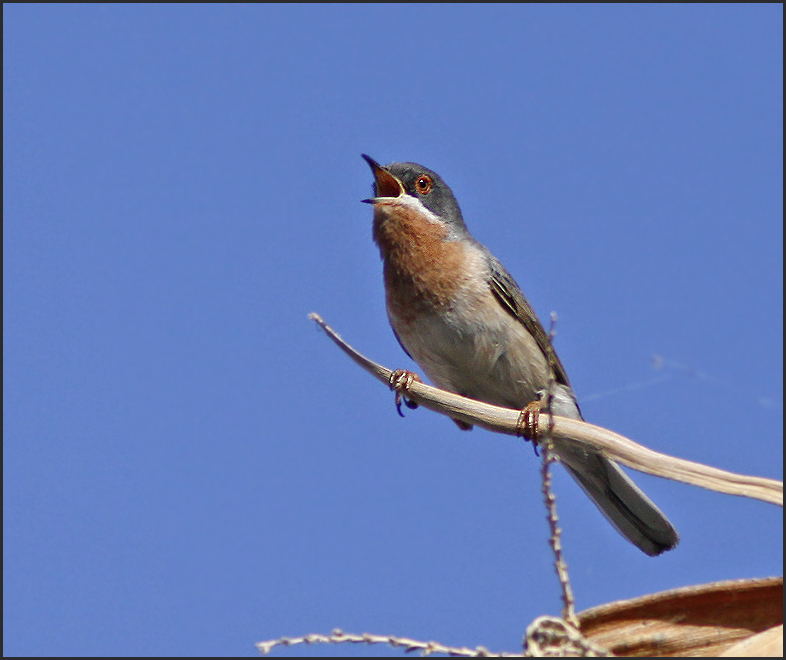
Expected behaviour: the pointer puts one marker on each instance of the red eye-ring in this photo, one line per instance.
(424, 184)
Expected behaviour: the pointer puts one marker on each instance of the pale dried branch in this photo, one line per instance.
(561, 429)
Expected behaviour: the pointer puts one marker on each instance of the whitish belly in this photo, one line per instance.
(496, 361)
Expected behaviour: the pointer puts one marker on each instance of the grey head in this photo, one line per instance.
(421, 183)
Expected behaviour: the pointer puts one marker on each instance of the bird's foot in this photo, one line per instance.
(529, 419)
(400, 381)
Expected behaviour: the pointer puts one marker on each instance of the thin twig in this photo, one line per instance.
(340, 637)
(548, 636)
(555, 538)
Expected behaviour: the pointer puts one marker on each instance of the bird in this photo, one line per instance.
(459, 314)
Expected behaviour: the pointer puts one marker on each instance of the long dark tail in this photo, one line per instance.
(632, 513)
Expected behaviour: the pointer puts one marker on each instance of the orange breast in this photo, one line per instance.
(423, 271)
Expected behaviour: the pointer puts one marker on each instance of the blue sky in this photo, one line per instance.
(191, 467)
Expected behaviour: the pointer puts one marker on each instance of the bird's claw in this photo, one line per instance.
(400, 381)
(528, 421)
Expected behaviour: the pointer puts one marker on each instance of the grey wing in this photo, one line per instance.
(512, 299)
(623, 503)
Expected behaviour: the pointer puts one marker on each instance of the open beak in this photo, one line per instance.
(385, 184)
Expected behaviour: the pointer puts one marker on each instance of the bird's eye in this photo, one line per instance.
(424, 184)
